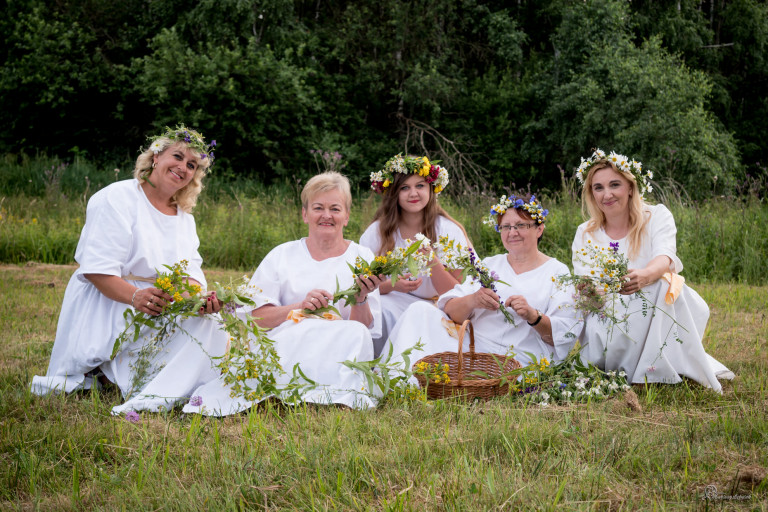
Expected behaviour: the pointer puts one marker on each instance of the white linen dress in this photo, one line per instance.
(647, 348)
(319, 346)
(492, 333)
(125, 235)
(394, 303)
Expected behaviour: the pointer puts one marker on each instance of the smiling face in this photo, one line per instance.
(174, 168)
(326, 214)
(523, 239)
(611, 191)
(413, 194)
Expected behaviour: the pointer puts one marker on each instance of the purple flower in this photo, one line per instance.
(614, 247)
(196, 401)
(132, 417)
(213, 143)
(494, 275)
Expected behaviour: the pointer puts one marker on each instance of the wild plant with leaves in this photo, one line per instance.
(390, 380)
(454, 256)
(250, 354)
(414, 259)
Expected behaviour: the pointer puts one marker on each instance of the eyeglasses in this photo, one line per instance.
(505, 228)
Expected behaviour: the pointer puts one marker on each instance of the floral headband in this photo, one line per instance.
(623, 163)
(533, 207)
(192, 138)
(433, 174)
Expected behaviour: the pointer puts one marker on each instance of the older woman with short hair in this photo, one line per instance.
(302, 275)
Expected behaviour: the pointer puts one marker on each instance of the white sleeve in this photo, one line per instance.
(195, 269)
(371, 238)
(662, 234)
(567, 322)
(106, 240)
(267, 280)
(460, 290)
(579, 243)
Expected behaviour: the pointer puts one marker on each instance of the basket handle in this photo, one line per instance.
(462, 331)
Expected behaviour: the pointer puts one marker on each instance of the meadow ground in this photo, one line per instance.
(684, 448)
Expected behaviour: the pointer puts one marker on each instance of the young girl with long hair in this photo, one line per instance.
(409, 186)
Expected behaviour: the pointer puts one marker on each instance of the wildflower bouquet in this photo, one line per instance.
(415, 259)
(608, 268)
(250, 354)
(569, 381)
(455, 256)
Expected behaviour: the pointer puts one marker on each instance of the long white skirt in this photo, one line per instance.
(647, 347)
(393, 305)
(183, 364)
(319, 347)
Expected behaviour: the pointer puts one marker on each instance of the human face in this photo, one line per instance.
(611, 191)
(326, 214)
(520, 241)
(413, 195)
(174, 168)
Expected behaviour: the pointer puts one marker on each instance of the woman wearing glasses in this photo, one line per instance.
(544, 325)
(661, 320)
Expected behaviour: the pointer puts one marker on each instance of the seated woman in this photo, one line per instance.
(302, 275)
(133, 228)
(409, 205)
(665, 343)
(544, 324)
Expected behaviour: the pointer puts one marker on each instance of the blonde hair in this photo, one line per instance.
(388, 215)
(596, 218)
(323, 182)
(185, 198)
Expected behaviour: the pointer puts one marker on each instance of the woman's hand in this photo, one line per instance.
(316, 299)
(485, 298)
(150, 300)
(212, 304)
(520, 306)
(367, 285)
(635, 280)
(405, 285)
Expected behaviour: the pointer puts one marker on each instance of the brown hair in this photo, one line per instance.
(596, 218)
(389, 213)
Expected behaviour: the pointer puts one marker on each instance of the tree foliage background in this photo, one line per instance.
(501, 92)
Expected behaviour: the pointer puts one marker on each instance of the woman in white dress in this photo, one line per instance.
(545, 325)
(665, 343)
(301, 275)
(409, 205)
(133, 228)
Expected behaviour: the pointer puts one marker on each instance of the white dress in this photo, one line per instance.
(492, 333)
(125, 235)
(394, 303)
(647, 348)
(319, 346)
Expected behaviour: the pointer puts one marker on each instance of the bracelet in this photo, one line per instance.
(537, 320)
(134, 296)
(363, 302)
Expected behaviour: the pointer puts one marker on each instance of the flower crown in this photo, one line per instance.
(191, 138)
(533, 207)
(623, 163)
(433, 174)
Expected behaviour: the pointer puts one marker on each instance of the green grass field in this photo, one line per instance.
(69, 453)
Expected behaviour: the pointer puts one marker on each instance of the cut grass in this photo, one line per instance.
(68, 452)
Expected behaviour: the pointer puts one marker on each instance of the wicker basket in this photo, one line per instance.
(461, 367)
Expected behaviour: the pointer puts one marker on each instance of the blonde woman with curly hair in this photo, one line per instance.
(661, 339)
(132, 228)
